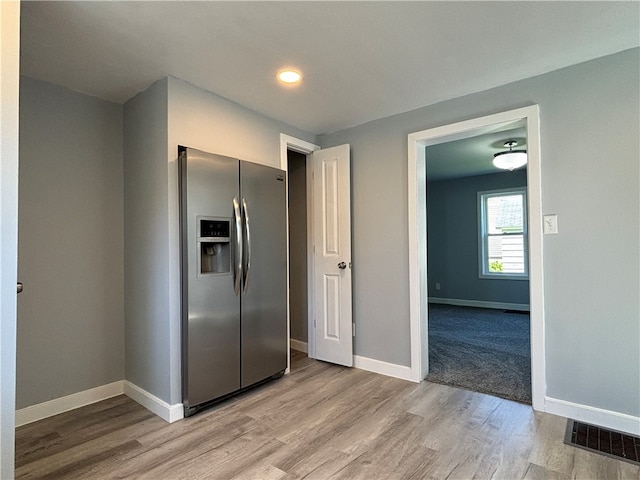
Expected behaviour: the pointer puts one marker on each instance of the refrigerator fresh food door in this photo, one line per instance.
(210, 307)
(264, 301)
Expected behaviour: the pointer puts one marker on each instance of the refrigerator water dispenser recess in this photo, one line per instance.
(214, 245)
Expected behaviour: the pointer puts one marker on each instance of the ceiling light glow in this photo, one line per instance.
(289, 76)
(511, 159)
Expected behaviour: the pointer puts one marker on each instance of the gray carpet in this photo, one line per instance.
(480, 349)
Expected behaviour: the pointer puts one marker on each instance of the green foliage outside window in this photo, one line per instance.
(495, 266)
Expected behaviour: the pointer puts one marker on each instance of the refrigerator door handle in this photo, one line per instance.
(247, 253)
(237, 257)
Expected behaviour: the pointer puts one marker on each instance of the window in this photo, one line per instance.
(502, 216)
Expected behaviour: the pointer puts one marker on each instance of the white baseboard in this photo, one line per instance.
(383, 368)
(53, 407)
(299, 345)
(169, 413)
(524, 307)
(33, 413)
(596, 416)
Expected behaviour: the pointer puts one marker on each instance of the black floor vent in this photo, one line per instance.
(601, 440)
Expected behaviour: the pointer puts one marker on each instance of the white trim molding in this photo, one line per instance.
(522, 307)
(288, 142)
(593, 415)
(33, 413)
(56, 406)
(299, 345)
(383, 368)
(169, 413)
(417, 228)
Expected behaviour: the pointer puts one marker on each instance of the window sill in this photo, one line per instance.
(503, 276)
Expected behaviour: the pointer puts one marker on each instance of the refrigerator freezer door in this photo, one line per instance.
(210, 308)
(264, 303)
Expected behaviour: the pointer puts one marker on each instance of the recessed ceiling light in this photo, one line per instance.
(289, 76)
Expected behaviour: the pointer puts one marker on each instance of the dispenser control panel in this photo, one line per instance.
(214, 246)
(214, 228)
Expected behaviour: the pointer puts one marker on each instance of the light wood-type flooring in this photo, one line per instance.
(320, 422)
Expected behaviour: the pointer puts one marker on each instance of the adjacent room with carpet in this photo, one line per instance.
(477, 257)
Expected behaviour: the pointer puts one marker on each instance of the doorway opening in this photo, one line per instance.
(478, 286)
(527, 117)
(298, 269)
(301, 246)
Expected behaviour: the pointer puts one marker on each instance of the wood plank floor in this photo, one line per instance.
(320, 422)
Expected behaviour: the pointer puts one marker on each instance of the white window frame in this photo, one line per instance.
(483, 246)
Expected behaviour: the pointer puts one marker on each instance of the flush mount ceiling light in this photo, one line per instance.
(289, 77)
(511, 159)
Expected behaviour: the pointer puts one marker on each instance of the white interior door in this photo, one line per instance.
(332, 254)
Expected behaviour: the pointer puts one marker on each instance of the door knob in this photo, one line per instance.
(20, 286)
(342, 265)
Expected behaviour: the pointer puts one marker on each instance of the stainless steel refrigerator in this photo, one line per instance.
(234, 267)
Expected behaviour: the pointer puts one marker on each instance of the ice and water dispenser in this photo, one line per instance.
(214, 242)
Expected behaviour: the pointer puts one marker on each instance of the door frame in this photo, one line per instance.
(9, 159)
(288, 142)
(417, 222)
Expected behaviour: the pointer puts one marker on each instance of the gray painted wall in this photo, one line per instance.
(590, 178)
(298, 305)
(70, 315)
(146, 224)
(171, 113)
(452, 236)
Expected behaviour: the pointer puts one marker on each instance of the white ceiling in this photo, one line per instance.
(361, 60)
